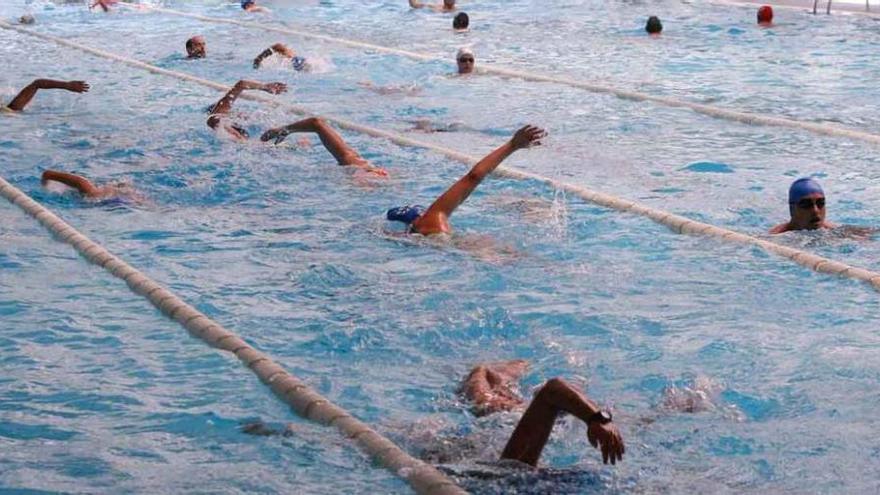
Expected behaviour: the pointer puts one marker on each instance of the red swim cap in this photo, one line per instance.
(765, 14)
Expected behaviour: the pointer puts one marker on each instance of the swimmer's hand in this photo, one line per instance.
(607, 439)
(279, 134)
(77, 86)
(527, 137)
(378, 171)
(275, 88)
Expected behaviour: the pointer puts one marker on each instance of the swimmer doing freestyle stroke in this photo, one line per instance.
(24, 97)
(435, 219)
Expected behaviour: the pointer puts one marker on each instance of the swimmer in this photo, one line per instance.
(392, 89)
(806, 204)
(27, 94)
(222, 108)
(196, 47)
(465, 60)
(654, 26)
(435, 219)
(491, 389)
(447, 6)
(252, 7)
(27, 19)
(87, 188)
(104, 4)
(461, 21)
(280, 49)
(765, 15)
(345, 155)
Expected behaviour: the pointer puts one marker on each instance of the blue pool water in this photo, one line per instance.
(100, 393)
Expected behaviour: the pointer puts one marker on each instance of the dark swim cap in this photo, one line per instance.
(461, 21)
(803, 187)
(653, 26)
(298, 63)
(406, 214)
(765, 14)
(247, 3)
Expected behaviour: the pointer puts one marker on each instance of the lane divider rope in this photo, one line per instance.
(712, 111)
(424, 478)
(676, 223)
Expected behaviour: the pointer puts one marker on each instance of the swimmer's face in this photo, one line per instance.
(465, 64)
(808, 213)
(448, 4)
(196, 48)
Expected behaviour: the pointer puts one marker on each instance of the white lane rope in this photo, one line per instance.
(712, 111)
(675, 222)
(424, 478)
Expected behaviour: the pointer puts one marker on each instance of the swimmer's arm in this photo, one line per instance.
(262, 56)
(224, 105)
(344, 154)
(531, 433)
(455, 195)
(81, 184)
(25, 96)
(416, 4)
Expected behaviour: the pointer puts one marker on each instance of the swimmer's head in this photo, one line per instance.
(653, 26)
(765, 14)
(448, 4)
(465, 60)
(196, 47)
(461, 21)
(246, 4)
(406, 214)
(806, 203)
(27, 19)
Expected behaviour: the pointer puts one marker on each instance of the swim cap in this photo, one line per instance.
(247, 3)
(653, 26)
(765, 14)
(803, 187)
(464, 51)
(299, 63)
(406, 214)
(461, 21)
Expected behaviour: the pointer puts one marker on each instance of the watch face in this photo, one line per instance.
(605, 417)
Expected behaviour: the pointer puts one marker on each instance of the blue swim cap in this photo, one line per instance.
(299, 63)
(803, 187)
(246, 3)
(406, 214)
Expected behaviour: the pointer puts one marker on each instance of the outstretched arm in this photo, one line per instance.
(276, 48)
(81, 184)
(438, 213)
(531, 433)
(224, 105)
(344, 154)
(27, 94)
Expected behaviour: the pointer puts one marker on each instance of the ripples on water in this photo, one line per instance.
(729, 369)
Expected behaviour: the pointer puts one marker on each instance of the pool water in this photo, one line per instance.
(101, 393)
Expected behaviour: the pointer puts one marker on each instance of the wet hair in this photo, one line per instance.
(765, 14)
(461, 21)
(653, 26)
(189, 44)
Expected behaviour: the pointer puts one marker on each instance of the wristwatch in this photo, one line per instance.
(603, 417)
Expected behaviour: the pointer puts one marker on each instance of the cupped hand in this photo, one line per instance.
(527, 137)
(275, 88)
(278, 134)
(78, 86)
(607, 439)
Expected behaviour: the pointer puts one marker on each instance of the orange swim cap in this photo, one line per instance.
(765, 14)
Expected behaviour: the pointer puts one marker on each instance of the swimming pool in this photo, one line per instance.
(101, 393)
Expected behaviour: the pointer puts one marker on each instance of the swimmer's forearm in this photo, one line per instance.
(262, 56)
(81, 184)
(491, 161)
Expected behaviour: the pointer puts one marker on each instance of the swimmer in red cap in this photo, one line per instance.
(765, 15)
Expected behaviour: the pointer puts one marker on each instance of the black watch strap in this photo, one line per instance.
(603, 417)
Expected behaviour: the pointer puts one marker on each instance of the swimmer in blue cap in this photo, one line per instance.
(435, 219)
(806, 204)
(220, 111)
(27, 94)
(491, 389)
(298, 63)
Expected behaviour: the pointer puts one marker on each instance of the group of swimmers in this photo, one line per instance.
(490, 387)
(765, 18)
